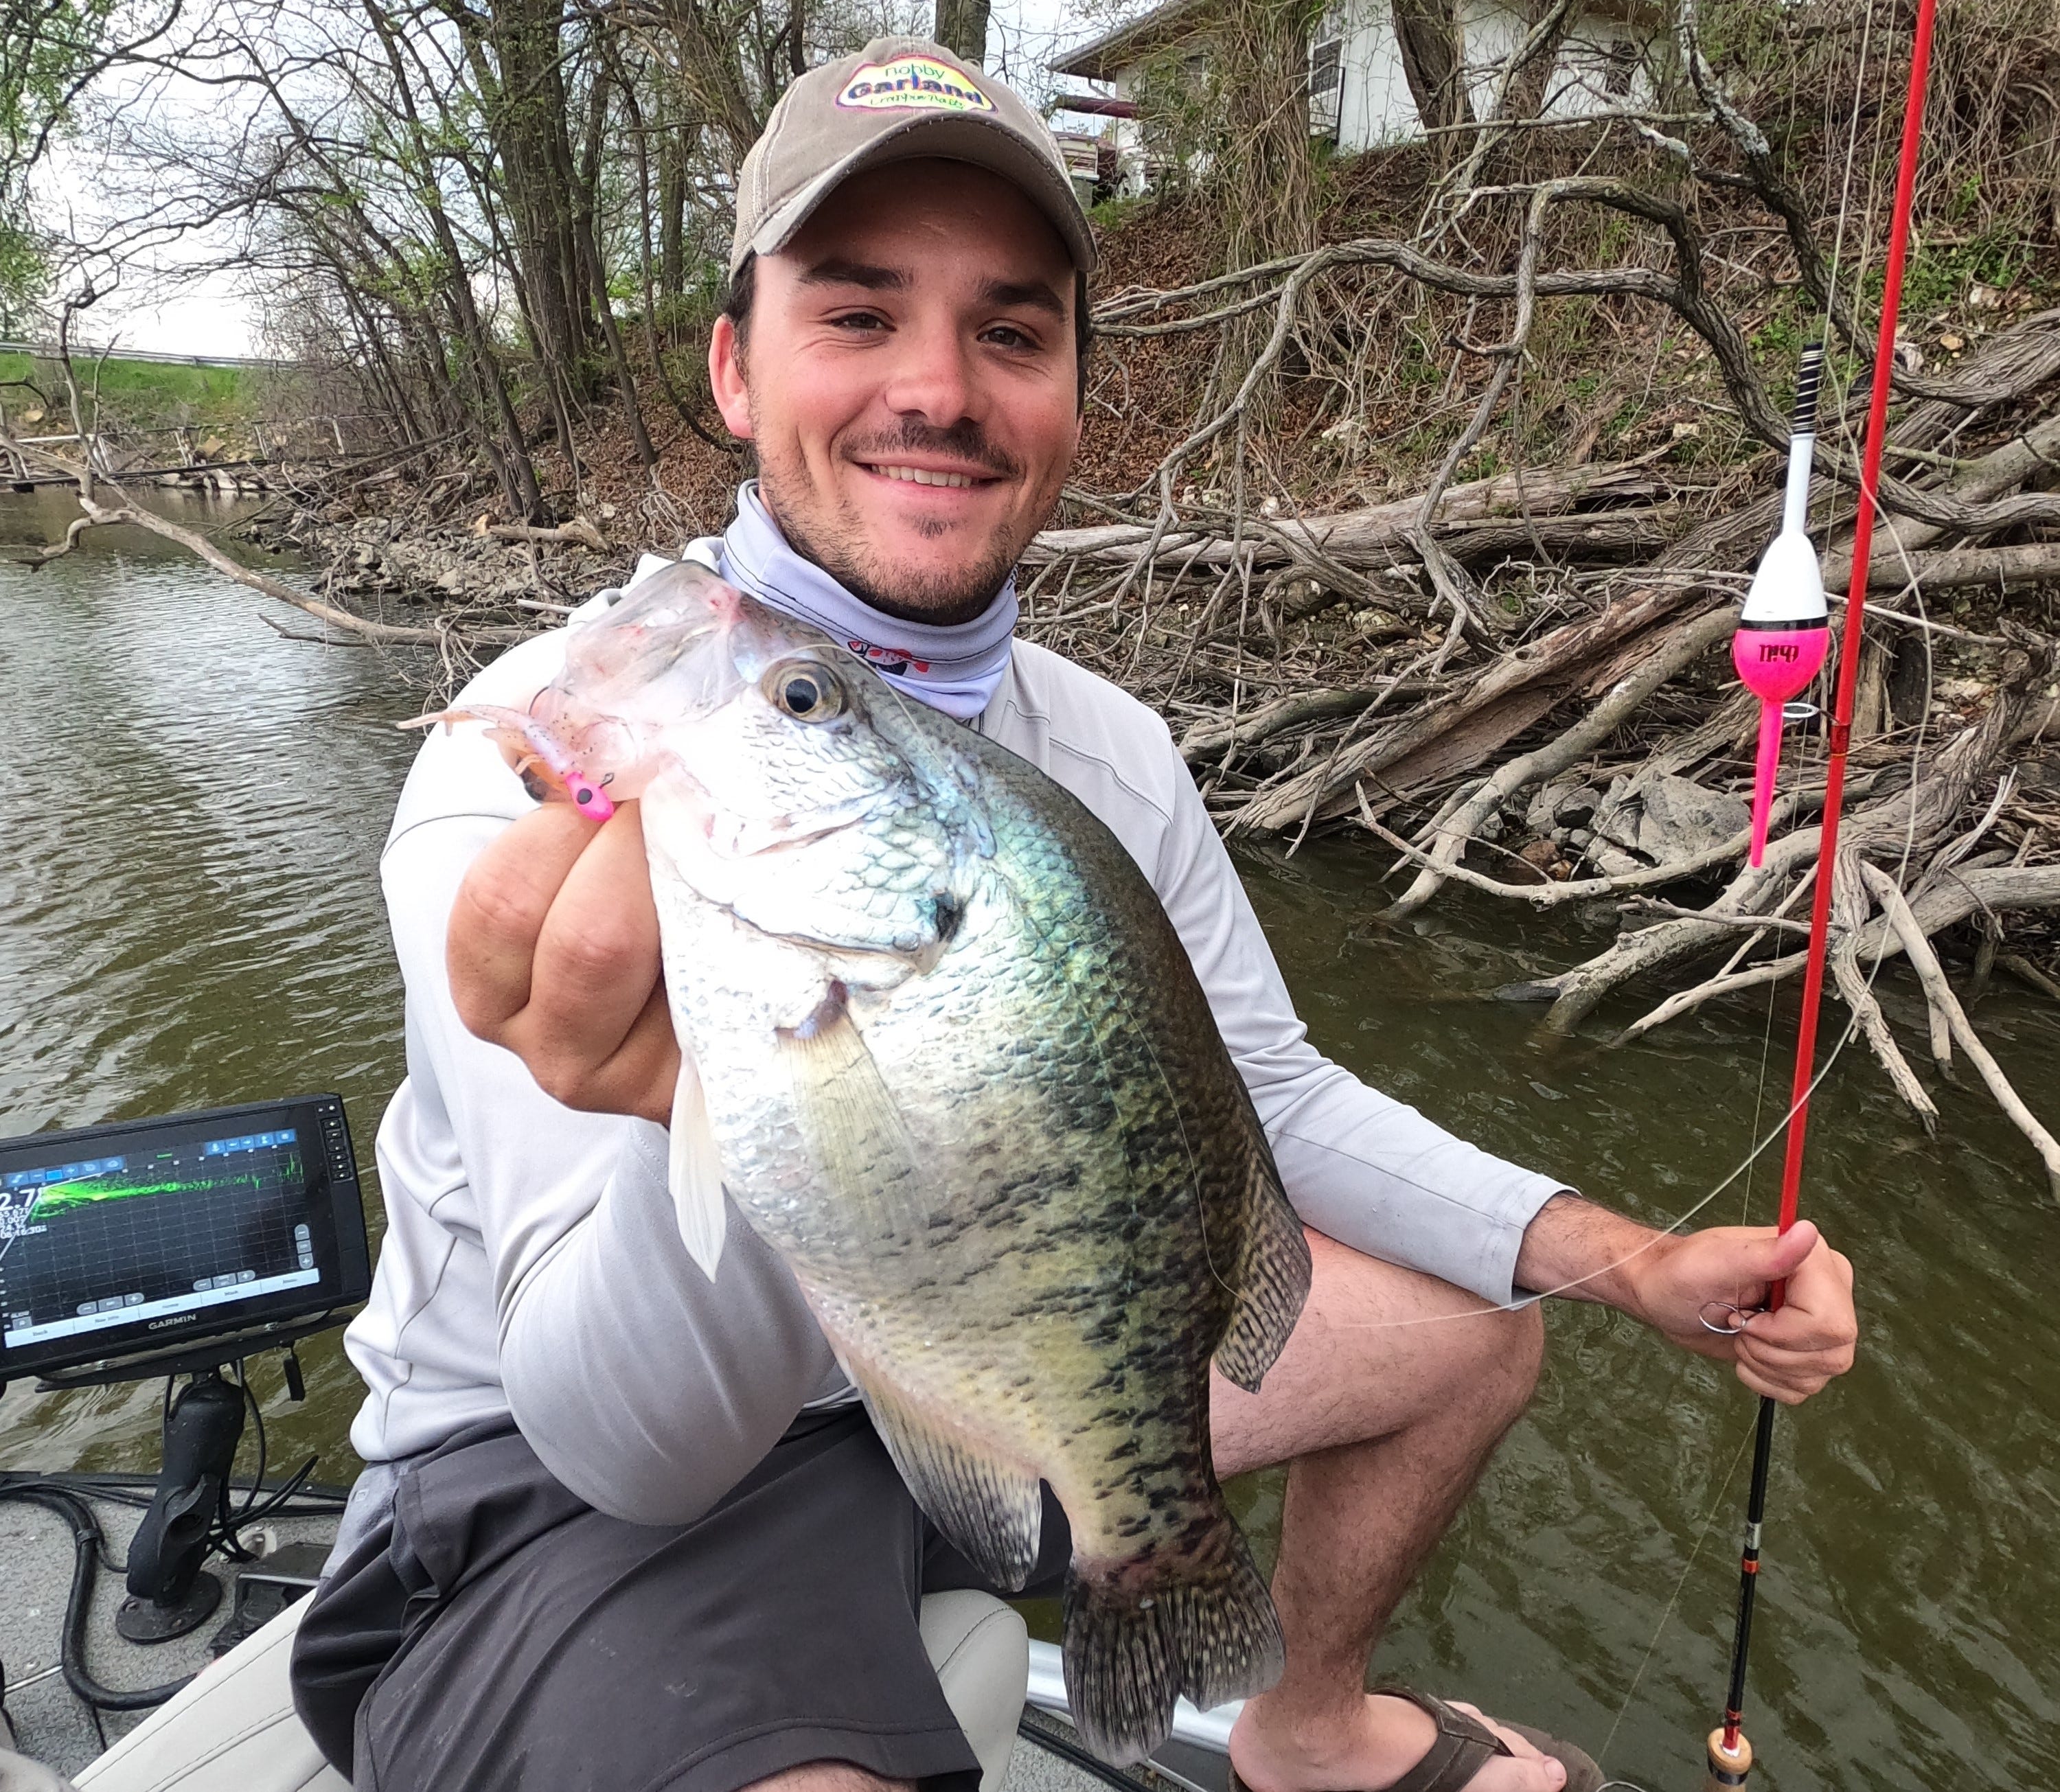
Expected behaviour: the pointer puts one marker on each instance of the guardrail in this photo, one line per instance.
(82, 351)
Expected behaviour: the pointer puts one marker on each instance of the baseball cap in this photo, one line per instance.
(897, 99)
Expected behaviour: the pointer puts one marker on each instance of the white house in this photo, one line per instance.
(1359, 94)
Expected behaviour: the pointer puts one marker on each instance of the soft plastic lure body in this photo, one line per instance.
(540, 753)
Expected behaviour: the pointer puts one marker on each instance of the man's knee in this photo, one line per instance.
(1512, 1351)
(1487, 1368)
(828, 1776)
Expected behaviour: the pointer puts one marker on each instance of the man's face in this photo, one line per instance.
(910, 383)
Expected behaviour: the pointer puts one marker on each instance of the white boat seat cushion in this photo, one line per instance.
(233, 1729)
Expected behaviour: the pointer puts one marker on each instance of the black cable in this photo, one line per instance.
(321, 1499)
(287, 1489)
(258, 1420)
(224, 1540)
(90, 1548)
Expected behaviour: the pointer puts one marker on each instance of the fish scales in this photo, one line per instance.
(953, 1064)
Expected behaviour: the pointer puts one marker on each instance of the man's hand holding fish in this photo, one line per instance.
(881, 1156)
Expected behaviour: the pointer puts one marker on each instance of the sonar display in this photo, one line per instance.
(122, 1240)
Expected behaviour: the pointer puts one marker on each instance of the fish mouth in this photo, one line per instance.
(866, 964)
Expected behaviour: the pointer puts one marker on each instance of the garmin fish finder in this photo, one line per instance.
(179, 1246)
(159, 1238)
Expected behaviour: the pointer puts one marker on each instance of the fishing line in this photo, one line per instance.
(1674, 1600)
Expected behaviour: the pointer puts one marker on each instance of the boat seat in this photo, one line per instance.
(233, 1729)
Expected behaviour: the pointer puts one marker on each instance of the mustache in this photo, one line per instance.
(963, 441)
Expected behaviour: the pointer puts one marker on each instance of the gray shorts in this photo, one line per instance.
(498, 1633)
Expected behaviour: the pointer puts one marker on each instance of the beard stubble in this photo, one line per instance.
(836, 540)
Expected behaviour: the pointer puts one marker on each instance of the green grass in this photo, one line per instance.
(142, 394)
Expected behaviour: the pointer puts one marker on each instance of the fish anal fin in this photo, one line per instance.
(1272, 1278)
(1139, 1634)
(989, 1510)
(850, 1118)
(694, 1172)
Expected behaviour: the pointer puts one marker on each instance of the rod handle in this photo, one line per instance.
(1728, 1768)
(1809, 377)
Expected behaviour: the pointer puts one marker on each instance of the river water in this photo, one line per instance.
(190, 917)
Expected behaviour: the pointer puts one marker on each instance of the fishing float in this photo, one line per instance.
(1784, 629)
(1729, 1753)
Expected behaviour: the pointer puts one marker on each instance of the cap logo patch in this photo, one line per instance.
(910, 83)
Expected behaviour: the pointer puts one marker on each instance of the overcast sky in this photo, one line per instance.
(218, 315)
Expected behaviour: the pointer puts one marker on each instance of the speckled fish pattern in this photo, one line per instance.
(959, 1074)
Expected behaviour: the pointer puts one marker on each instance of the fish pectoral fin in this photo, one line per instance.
(851, 1120)
(989, 1510)
(1272, 1280)
(694, 1172)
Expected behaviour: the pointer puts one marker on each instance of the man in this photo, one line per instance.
(614, 1512)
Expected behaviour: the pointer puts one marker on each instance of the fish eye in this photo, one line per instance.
(807, 691)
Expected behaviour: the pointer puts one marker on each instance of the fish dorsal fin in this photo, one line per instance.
(852, 1121)
(989, 1510)
(1272, 1279)
(694, 1172)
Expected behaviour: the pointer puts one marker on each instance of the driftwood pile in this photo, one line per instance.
(1520, 685)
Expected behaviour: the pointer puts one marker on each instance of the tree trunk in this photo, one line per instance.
(1273, 186)
(672, 212)
(1427, 32)
(961, 28)
(1528, 84)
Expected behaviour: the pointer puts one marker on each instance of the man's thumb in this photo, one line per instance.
(1773, 1259)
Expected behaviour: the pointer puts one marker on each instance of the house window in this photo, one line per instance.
(1326, 87)
(1620, 63)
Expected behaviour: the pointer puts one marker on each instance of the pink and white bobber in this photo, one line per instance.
(1784, 630)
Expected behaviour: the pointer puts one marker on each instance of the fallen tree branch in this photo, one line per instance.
(1549, 894)
(1938, 992)
(129, 511)
(1368, 536)
(1686, 644)
(579, 531)
(1850, 904)
(2021, 968)
(1957, 568)
(1911, 820)
(198, 544)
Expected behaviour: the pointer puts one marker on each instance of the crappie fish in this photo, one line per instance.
(946, 1054)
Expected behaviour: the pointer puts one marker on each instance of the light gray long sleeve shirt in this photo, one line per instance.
(532, 1265)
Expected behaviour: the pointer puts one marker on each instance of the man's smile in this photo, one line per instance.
(927, 476)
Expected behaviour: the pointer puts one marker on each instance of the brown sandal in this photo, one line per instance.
(1465, 1745)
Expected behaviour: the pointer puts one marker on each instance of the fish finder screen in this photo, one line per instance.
(141, 1232)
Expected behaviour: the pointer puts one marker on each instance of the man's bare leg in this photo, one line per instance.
(828, 1776)
(1388, 1426)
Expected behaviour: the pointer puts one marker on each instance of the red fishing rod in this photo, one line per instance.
(1730, 1754)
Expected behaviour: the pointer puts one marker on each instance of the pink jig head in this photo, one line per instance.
(1784, 630)
(540, 754)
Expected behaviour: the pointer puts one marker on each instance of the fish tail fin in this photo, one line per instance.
(1138, 1634)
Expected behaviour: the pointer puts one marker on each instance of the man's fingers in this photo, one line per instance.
(597, 955)
(499, 913)
(1817, 1316)
(1795, 1329)
(1787, 1391)
(640, 1078)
